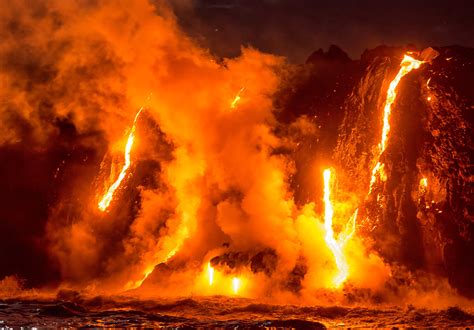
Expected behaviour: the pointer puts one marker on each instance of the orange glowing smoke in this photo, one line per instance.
(236, 99)
(406, 66)
(107, 198)
(334, 246)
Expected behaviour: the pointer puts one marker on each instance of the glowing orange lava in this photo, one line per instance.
(423, 186)
(210, 272)
(424, 183)
(235, 285)
(107, 198)
(334, 246)
(236, 99)
(349, 230)
(406, 66)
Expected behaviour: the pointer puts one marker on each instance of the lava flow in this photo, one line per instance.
(235, 285)
(210, 271)
(236, 99)
(104, 203)
(336, 248)
(406, 66)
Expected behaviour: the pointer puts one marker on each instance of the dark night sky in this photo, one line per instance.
(295, 28)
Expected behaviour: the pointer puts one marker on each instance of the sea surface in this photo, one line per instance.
(216, 312)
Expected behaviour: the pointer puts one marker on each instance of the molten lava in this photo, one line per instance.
(406, 66)
(210, 272)
(424, 183)
(236, 98)
(235, 285)
(109, 195)
(334, 246)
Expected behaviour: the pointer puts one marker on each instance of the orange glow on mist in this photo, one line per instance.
(406, 66)
(109, 195)
(334, 246)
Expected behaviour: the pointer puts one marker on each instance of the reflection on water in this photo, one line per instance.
(215, 312)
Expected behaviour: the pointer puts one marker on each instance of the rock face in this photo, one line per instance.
(423, 228)
(264, 261)
(310, 107)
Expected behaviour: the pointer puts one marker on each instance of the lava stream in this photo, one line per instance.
(210, 271)
(235, 285)
(406, 66)
(333, 245)
(107, 198)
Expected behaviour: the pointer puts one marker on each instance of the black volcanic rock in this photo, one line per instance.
(430, 137)
(447, 155)
(264, 261)
(312, 95)
(334, 54)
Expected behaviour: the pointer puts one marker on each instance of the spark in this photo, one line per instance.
(107, 198)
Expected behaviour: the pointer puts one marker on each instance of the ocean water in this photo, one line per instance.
(216, 312)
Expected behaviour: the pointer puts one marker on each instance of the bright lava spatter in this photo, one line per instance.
(424, 183)
(334, 246)
(237, 98)
(210, 271)
(235, 285)
(107, 198)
